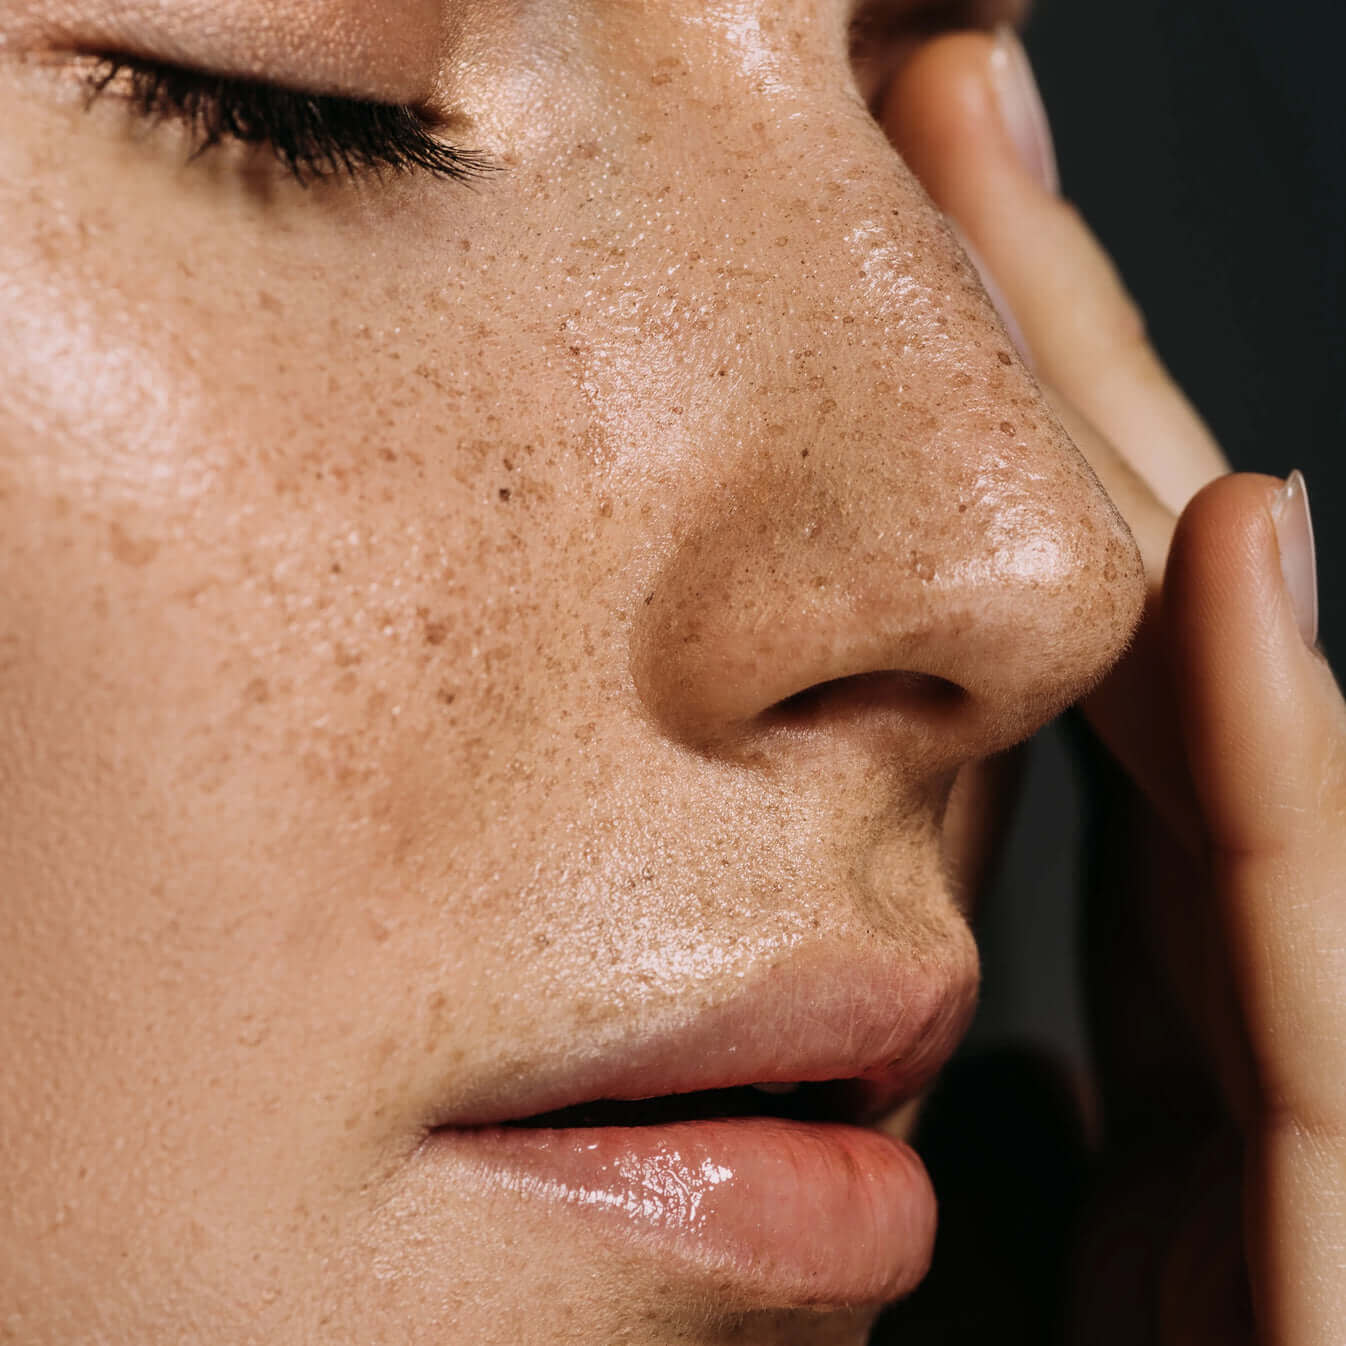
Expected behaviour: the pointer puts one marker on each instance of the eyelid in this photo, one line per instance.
(338, 48)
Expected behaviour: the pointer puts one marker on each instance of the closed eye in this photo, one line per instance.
(313, 136)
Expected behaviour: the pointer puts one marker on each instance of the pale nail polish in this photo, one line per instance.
(1021, 107)
(1299, 564)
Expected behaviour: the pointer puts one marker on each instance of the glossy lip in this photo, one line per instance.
(780, 1214)
(774, 1212)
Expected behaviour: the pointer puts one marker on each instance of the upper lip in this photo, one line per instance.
(875, 1018)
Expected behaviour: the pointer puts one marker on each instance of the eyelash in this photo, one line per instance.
(314, 136)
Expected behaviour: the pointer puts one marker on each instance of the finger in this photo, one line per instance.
(1265, 732)
(964, 112)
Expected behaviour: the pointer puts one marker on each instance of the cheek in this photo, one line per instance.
(320, 577)
(308, 551)
(268, 691)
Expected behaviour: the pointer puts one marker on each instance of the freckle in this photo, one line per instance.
(1109, 572)
(436, 632)
(346, 658)
(504, 494)
(336, 568)
(962, 508)
(1004, 357)
(269, 302)
(132, 551)
(446, 695)
(1006, 428)
(347, 683)
(256, 693)
(803, 453)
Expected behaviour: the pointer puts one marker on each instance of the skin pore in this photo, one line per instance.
(402, 581)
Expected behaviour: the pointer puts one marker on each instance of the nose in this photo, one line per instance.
(906, 546)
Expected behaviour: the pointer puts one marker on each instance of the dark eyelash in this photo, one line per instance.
(313, 135)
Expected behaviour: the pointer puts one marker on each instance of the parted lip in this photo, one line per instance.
(880, 1022)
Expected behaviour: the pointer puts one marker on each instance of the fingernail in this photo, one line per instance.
(993, 292)
(1021, 108)
(1299, 564)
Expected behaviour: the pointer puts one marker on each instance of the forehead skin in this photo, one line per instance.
(399, 584)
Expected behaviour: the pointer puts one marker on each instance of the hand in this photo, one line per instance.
(1220, 925)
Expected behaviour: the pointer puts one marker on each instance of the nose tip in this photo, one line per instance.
(952, 600)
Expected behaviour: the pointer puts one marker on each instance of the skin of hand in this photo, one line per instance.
(1219, 937)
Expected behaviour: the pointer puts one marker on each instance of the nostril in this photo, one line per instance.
(860, 694)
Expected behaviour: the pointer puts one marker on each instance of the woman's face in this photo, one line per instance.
(468, 650)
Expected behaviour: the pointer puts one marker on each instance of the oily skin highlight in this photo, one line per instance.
(397, 585)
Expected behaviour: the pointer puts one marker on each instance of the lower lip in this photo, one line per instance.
(797, 1213)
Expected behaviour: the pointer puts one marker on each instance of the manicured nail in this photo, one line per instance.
(1021, 107)
(1299, 564)
(993, 292)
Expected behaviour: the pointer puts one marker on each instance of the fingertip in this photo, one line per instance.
(1224, 542)
(1250, 693)
(1224, 586)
